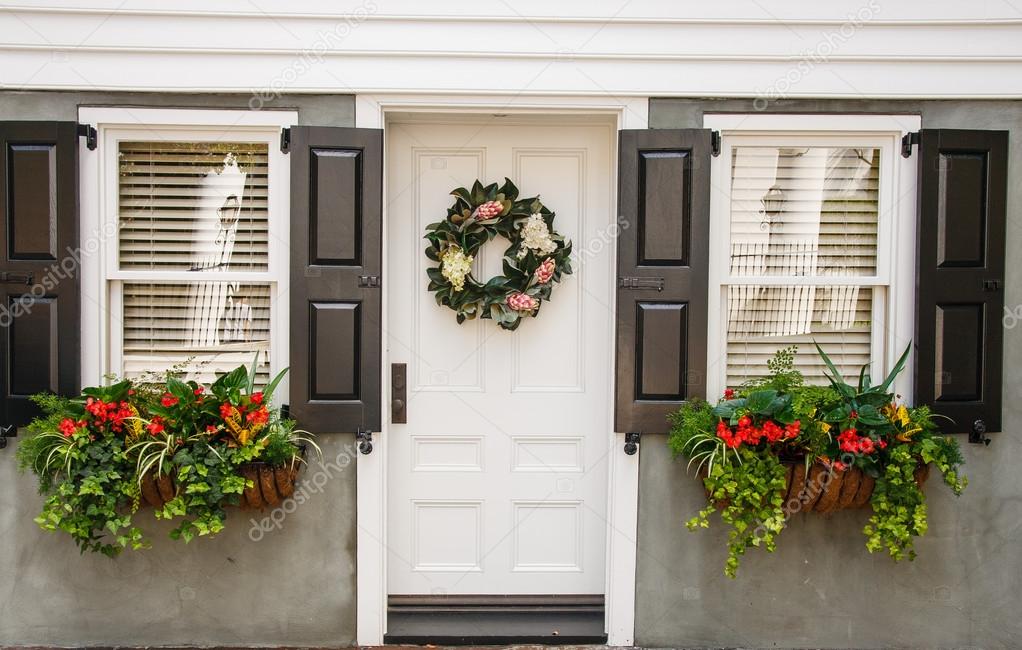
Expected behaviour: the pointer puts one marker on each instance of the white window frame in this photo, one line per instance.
(893, 283)
(101, 276)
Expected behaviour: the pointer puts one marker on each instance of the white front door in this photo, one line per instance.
(498, 482)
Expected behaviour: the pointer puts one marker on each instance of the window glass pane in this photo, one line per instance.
(762, 320)
(205, 327)
(804, 211)
(193, 206)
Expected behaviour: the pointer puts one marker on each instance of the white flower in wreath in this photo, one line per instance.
(455, 265)
(536, 236)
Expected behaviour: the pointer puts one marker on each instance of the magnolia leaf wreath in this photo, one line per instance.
(533, 263)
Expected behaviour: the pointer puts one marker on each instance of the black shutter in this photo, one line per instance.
(960, 275)
(40, 343)
(663, 259)
(336, 230)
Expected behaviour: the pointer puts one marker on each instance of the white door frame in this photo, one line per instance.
(371, 471)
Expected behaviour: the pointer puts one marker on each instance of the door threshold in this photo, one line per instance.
(495, 620)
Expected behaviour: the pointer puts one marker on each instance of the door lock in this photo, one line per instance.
(399, 393)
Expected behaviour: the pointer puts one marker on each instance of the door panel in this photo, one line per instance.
(497, 483)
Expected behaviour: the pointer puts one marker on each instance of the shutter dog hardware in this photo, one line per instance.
(715, 143)
(632, 443)
(365, 441)
(88, 132)
(7, 431)
(285, 140)
(369, 281)
(977, 435)
(641, 283)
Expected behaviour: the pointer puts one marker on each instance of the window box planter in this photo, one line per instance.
(183, 449)
(777, 446)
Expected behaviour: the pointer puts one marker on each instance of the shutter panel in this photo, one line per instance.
(960, 275)
(664, 203)
(40, 344)
(336, 222)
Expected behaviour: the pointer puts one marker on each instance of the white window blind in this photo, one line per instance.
(200, 208)
(799, 214)
(188, 206)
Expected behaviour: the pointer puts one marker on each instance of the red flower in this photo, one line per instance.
(854, 415)
(156, 426)
(67, 427)
(882, 444)
(210, 428)
(257, 398)
(839, 466)
(226, 410)
(169, 400)
(729, 393)
(198, 391)
(259, 416)
(744, 421)
(131, 391)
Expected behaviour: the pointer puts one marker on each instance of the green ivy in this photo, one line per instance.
(752, 494)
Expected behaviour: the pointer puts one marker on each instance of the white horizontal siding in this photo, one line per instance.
(642, 47)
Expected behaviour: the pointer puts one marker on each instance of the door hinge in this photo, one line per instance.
(88, 132)
(285, 140)
(369, 281)
(907, 141)
(715, 143)
(365, 441)
(641, 283)
(632, 443)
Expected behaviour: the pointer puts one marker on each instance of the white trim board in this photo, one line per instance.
(623, 483)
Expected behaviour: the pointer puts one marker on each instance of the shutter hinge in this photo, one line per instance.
(715, 143)
(992, 285)
(365, 441)
(641, 283)
(88, 132)
(632, 443)
(369, 281)
(907, 141)
(285, 140)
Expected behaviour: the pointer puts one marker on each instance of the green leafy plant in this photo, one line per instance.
(77, 449)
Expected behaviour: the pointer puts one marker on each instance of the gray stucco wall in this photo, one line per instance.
(821, 588)
(290, 585)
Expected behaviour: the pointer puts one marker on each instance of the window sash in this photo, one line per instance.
(896, 190)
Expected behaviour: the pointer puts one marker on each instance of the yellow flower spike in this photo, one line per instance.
(825, 427)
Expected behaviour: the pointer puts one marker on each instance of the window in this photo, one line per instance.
(194, 277)
(805, 235)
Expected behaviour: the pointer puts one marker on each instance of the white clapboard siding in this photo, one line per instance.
(766, 48)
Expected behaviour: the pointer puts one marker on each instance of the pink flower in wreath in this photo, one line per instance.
(488, 210)
(522, 302)
(545, 270)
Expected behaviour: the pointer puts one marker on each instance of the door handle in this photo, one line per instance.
(399, 393)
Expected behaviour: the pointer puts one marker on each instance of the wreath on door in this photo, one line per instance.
(535, 260)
